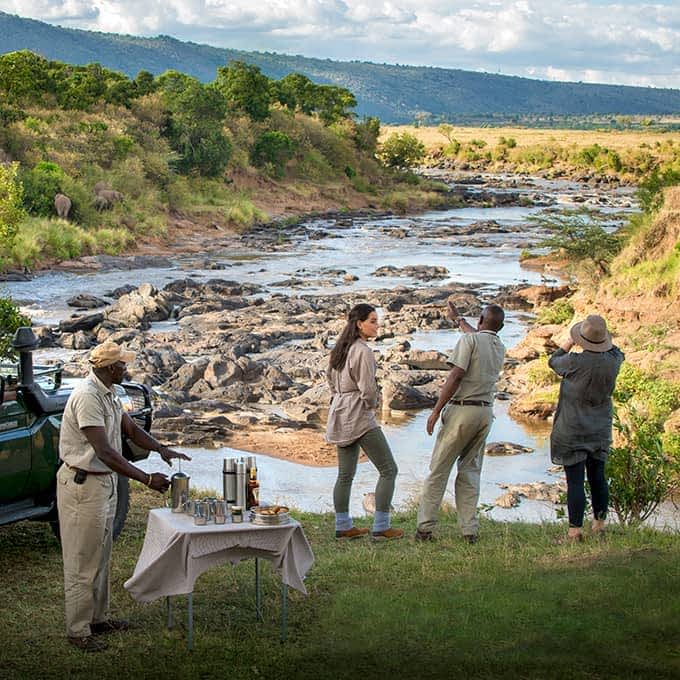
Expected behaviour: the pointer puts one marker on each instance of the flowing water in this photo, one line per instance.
(359, 249)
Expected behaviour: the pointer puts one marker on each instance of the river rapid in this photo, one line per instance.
(301, 265)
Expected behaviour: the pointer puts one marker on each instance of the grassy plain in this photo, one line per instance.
(619, 140)
(512, 606)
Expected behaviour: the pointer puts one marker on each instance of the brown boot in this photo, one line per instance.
(349, 534)
(387, 535)
(88, 644)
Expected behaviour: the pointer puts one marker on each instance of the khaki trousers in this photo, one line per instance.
(86, 514)
(461, 437)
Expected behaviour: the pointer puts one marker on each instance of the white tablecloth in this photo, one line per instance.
(176, 552)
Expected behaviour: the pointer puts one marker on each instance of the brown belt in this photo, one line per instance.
(87, 472)
(470, 402)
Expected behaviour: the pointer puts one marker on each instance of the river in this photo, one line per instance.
(363, 246)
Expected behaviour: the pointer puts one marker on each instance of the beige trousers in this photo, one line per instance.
(461, 437)
(86, 514)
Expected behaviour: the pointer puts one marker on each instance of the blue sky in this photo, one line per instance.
(624, 42)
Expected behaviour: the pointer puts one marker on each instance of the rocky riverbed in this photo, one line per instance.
(233, 340)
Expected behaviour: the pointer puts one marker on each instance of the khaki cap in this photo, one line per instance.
(109, 353)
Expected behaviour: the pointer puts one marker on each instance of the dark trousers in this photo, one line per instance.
(576, 495)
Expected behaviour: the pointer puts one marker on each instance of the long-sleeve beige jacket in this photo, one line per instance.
(355, 396)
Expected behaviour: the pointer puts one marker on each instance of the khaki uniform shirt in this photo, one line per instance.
(91, 404)
(355, 396)
(481, 356)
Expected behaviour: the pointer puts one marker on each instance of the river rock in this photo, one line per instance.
(542, 295)
(139, 308)
(404, 397)
(185, 377)
(45, 336)
(77, 340)
(421, 272)
(509, 499)
(429, 360)
(538, 491)
(121, 290)
(86, 301)
(506, 449)
(86, 322)
(539, 340)
(222, 372)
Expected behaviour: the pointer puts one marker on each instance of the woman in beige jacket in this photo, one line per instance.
(352, 424)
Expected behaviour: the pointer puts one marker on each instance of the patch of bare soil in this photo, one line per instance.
(299, 446)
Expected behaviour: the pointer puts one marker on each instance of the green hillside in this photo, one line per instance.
(393, 93)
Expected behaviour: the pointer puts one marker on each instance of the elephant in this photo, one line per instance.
(110, 195)
(101, 186)
(62, 204)
(100, 203)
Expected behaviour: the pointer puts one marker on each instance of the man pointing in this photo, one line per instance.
(465, 405)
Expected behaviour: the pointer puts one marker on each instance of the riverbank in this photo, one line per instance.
(513, 605)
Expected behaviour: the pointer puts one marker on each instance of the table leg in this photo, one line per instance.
(284, 612)
(190, 637)
(258, 591)
(168, 609)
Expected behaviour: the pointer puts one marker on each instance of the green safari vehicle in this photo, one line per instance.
(32, 401)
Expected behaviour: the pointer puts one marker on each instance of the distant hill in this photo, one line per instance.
(396, 94)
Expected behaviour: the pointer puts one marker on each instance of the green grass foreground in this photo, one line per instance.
(514, 605)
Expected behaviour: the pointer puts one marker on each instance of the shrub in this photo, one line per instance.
(11, 210)
(41, 184)
(539, 374)
(656, 397)
(560, 311)
(402, 151)
(275, 148)
(641, 474)
(10, 319)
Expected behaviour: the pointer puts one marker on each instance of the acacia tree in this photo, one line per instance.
(245, 88)
(576, 234)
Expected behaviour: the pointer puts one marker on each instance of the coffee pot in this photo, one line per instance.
(179, 491)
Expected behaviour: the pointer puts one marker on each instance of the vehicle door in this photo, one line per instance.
(15, 445)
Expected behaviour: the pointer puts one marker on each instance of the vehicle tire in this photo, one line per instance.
(122, 507)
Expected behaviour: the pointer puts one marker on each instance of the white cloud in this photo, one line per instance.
(622, 41)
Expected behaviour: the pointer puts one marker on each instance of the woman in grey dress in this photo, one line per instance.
(582, 426)
(352, 425)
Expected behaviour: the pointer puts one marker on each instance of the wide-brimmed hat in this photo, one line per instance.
(592, 334)
(109, 353)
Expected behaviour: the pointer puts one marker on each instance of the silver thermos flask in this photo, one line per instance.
(179, 491)
(229, 480)
(241, 483)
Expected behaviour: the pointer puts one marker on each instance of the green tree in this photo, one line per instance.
(25, 76)
(10, 319)
(11, 209)
(245, 88)
(366, 134)
(273, 148)
(401, 150)
(195, 124)
(333, 103)
(296, 92)
(144, 83)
